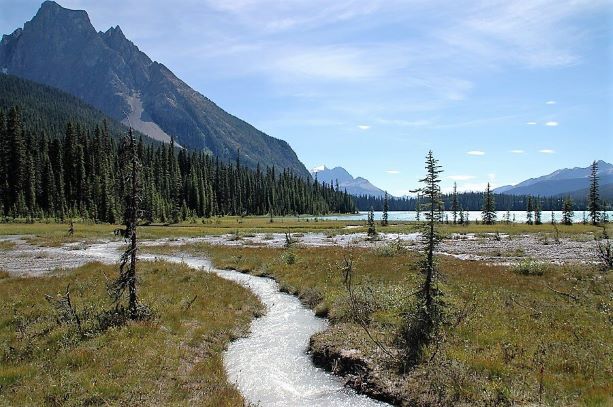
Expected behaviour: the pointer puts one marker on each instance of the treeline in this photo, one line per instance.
(469, 201)
(79, 174)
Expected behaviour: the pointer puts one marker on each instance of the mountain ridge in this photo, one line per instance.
(61, 48)
(560, 182)
(354, 186)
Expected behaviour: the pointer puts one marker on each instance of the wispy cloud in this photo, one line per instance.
(547, 151)
(517, 151)
(461, 177)
(552, 124)
(475, 152)
(393, 172)
(531, 123)
(551, 102)
(363, 126)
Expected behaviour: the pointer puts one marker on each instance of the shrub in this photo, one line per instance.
(288, 257)
(529, 267)
(390, 249)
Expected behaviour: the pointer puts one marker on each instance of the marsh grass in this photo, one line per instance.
(55, 234)
(517, 324)
(174, 359)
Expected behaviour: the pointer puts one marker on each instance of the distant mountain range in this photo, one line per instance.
(61, 48)
(567, 181)
(354, 186)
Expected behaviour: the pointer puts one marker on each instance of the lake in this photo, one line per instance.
(515, 216)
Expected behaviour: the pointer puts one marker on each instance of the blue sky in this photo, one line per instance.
(500, 90)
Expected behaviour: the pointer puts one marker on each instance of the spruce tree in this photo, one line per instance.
(422, 325)
(593, 198)
(488, 213)
(538, 212)
(384, 217)
(567, 211)
(529, 210)
(372, 232)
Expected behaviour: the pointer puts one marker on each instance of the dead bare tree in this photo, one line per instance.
(66, 312)
(358, 313)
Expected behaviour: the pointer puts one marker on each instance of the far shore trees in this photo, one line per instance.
(488, 214)
(593, 198)
(454, 203)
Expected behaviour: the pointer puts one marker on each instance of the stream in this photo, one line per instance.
(270, 367)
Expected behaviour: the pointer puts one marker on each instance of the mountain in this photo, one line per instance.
(355, 186)
(560, 182)
(60, 48)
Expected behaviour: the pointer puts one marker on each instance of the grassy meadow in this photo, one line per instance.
(516, 335)
(175, 358)
(56, 234)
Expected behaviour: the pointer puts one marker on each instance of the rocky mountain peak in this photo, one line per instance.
(52, 16)
(61, 48)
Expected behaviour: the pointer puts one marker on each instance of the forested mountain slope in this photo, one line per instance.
(47, 109)
(81, 172)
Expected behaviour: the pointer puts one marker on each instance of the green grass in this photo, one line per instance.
(492, 357)
(174, 359)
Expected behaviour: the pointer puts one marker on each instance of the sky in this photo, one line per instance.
(500, 91)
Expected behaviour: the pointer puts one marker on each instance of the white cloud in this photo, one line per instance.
(363, 127)
(476, 153)
(318, 168)
(551, 102)
(546, 151)
(461, 177)
(531, 123)
(517, 151)
(552, 124)
(393, 172)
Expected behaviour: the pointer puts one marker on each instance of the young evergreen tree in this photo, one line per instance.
(593, 198)
(553, 218)
(422, 324)
(488, 213)
(529, 210)
(567, 211)
(384, 217)
(372, 232)
(538, 213)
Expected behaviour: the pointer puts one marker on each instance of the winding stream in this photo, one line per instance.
(270, 367)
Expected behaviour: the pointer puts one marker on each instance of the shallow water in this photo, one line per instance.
(270, 366)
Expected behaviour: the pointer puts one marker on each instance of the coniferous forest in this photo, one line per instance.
(469, 201)
(79, 174)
